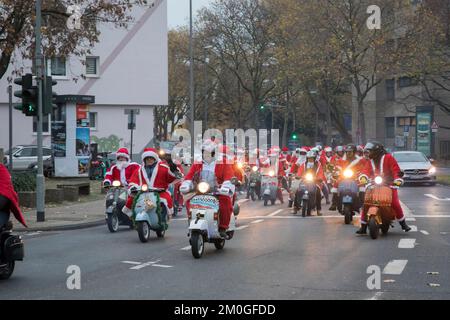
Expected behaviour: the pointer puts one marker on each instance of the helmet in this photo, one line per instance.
(351, 148)
(375, 149)
(311, 154)
(328, 150)
(319, 147)
(360, 148)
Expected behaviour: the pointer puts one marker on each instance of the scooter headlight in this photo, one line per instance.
(255, 168)
(272, 173)
(144, 188)
(240, 165)
(378, 180)
(116, 183)
(203, 187)
(309, 177)
(348, 173)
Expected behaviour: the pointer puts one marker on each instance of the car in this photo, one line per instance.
(416, 166)
(25, 155)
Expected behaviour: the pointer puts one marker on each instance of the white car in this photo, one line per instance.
(24, 155)
(416, 166)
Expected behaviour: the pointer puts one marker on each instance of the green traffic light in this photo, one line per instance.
(262, 107)
(294, 136)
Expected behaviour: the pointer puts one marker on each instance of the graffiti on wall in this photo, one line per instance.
(109, 144)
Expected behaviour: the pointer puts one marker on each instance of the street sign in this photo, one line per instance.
(434, 127)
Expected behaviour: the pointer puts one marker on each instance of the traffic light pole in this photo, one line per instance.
(10, 162)
(40, 74)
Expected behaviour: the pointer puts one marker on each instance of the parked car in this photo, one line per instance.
(25, 155)
(49, 167)
(416, 166)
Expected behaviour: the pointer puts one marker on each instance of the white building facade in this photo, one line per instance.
(128, 69)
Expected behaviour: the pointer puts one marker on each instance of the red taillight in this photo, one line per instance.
(216, 216)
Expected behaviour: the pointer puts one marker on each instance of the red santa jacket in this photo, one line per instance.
(388, 168)
(319, 171)
(160, 179)
(7, 190)
(123, 175)
(223, 171)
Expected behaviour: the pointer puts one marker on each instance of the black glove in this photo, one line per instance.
(133, 189)
(106, 184)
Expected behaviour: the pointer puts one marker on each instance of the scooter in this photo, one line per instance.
(378, 207)
(203, 220)
(294, 187)
(305, 197)
(348, 195)
(115, 201)
(150, 214)
(254, 185)
(11, 250)
(269, 187)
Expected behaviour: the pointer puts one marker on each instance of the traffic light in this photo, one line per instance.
(28, 94)
(262, 107)
(49, 96)
(294, 136)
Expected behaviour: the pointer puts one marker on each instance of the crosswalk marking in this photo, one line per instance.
(395, 267)
(407, 243)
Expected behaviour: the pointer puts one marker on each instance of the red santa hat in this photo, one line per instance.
(123, 152)
(150, 152)
(285, 149)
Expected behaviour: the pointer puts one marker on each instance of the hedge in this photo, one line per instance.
(24, 181)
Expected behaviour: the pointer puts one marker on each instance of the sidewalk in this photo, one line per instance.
(73, 216)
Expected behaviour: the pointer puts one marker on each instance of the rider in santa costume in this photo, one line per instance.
(155, 174)
(218, 173)
(122, 170)
(383, 164)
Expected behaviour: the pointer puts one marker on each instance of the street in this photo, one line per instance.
(274, 255)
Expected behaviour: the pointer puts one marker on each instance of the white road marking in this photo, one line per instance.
(407, 243)
(410, 219)
(413, 228)
(436, 198)
(424, 232)
(132, 262)
(162, 266)
(395, 267)
(243, 201)
(143, 265)
(242, 227)
(257, 221)
(377, 295)
(186, 248)
(275, 213)
(33, 233)
(432, 216)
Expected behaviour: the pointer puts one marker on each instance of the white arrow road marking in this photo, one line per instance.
(395, 267)
(377, 295)
(140, 265)
(424, 232)
(143, 265)
(242, 227)
(407, 243)
(436, 198)
(257, 221)
(132, 262)
(275, 213)
(186, 248)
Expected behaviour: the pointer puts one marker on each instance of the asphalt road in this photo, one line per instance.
(274, 255)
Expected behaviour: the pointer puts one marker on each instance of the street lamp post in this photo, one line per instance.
(206, 86)
(191, 81)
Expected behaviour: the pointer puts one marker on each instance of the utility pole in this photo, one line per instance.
(191, 81)
(205, 115)
(40, 74)
(10, 163)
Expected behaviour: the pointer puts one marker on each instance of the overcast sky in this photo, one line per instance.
(178, 11)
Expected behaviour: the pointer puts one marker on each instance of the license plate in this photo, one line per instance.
(416, 177)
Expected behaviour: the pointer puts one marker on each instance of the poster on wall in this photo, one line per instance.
(59, 139)
(82, 142)
(423, 140)
(82, 116)
(83, 164)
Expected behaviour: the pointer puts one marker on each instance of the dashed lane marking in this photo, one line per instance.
(241, 227)
(424, 232)
(436, 198)
(275, 213)
(407, 243)
(395, 267)
(186, 248)
(243, 201)
(257, 221)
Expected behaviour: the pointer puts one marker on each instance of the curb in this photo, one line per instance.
(63, 227)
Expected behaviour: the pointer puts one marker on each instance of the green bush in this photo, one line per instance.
(24, 181)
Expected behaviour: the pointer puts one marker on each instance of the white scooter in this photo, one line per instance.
(203, 219)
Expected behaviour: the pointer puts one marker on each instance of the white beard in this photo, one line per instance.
(122, 164)
(310, 165)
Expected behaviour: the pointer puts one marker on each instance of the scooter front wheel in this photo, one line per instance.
(197, 245)
(374, 230)
(113, 222)
(219, 244)
(143, 231)
(347, 215)
(7, 270)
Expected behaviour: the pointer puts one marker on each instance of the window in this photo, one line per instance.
(93, 120)
(45, 124)
(46, 152)
(407, 82)
(390, 90)
(445, 150)
(390, 127)
(406, 121)
(92, 66)
(27, 152)
(57, 67)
